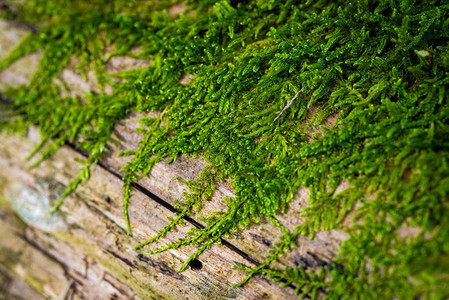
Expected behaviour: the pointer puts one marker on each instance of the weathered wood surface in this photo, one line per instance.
(85, 246)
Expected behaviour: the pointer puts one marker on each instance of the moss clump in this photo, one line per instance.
(382, 66)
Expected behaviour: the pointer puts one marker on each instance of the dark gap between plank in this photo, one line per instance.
(196, 263)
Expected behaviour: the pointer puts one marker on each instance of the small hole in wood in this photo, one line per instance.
(114, 297)
(107, 199)
(196, 264)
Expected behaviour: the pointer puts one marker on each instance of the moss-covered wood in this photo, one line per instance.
(263, 76)
(88, 236)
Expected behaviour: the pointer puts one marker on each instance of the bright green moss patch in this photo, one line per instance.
(381, 65)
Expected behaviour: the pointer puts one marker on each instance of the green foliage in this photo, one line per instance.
(380, 66)
(310, 283)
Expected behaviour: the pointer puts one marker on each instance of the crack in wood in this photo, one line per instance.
(162, 268)
(163, 203)
(123, 259)
(262, 240)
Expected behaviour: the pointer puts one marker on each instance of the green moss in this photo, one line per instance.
(380, 65)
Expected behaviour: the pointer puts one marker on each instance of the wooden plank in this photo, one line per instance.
(256, 240)
(91, 224)
(96, 218)
(253, 242)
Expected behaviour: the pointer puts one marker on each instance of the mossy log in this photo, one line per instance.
(83, 250)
